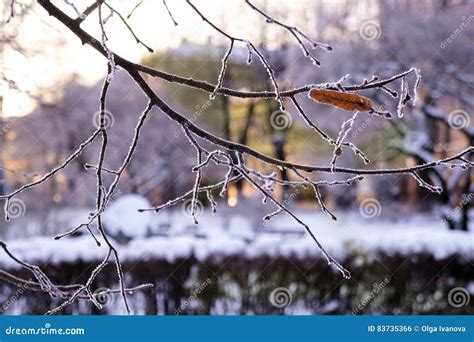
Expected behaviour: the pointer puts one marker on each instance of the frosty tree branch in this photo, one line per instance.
(296, 33)
(224, 153)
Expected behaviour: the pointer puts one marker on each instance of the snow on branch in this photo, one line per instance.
(296, 33)
(219, 152)
(251, 47)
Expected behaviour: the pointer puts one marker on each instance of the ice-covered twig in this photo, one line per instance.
(169, 13)
(83, 16)
(220, 78)
(263, 60)
(43, 280)
(11, 13)
(317, 193)
(124, 21)
(55, 170)
(424, 184)
(197, 182)
(324, 135)
(65, 290)
(331, 261)
(296, 33)
(345, 129)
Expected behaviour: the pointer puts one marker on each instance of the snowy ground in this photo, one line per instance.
(173, 235)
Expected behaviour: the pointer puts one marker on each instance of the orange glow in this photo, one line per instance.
(232, 195)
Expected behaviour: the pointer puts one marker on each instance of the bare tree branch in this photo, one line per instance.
(223, 153)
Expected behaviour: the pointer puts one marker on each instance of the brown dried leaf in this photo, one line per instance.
(346, 101)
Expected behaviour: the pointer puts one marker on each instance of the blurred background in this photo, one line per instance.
(409, 250)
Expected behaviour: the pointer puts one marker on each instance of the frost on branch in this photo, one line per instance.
(213, 151)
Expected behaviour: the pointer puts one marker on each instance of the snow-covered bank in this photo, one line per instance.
(214, 238)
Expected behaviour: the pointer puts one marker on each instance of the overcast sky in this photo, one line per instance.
(57, 54)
